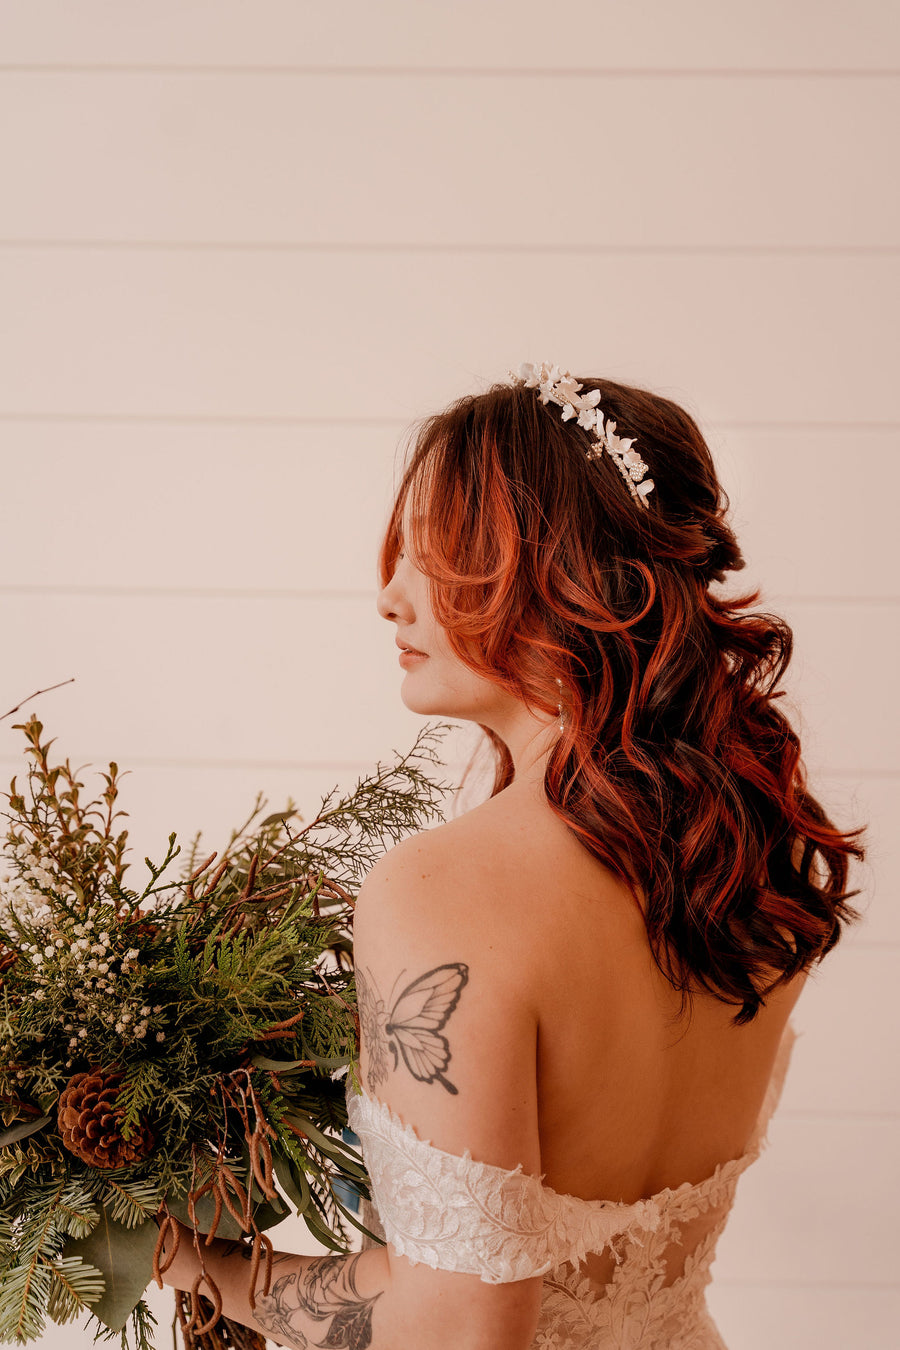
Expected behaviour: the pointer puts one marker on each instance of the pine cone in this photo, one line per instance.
(89, 1122)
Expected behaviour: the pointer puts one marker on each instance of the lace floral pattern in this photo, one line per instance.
(454, 1213)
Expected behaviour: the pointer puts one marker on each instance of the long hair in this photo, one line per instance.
(676, 767)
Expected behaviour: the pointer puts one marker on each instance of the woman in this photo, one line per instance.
(574, 998)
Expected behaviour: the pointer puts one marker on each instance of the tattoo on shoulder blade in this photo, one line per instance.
(411, 1030)
(324, 1292)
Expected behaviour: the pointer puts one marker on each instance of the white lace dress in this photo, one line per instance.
(631, 1277)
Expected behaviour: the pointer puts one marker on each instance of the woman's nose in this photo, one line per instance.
(391, 603)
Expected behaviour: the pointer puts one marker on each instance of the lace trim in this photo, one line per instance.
(453, 1213)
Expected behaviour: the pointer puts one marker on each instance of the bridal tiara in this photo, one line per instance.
(560, 387)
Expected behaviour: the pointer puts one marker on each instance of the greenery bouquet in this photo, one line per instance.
(177, 1052)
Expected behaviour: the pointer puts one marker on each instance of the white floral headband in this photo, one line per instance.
(560, 387)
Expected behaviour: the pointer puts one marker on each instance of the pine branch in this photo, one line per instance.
(74, 1285)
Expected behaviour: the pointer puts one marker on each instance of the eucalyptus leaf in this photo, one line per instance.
(124, 1256)
(23, 1131)
(270, 1212)
(227, 1227)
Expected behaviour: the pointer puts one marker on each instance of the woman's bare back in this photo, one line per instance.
(632, 1098)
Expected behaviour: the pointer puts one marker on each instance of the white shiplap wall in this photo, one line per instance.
(242, 247)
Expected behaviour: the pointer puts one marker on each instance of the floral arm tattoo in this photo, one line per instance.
(324, 1294)
(411, 1029)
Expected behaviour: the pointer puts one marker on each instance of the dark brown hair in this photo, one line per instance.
(677, 768)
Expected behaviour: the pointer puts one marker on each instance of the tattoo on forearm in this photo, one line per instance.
(411, 1030)
(324, 1292)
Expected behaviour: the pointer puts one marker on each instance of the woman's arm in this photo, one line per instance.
(449, 1043)
(312, 1300)
(352, 1301)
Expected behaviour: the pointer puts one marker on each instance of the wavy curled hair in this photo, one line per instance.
(676, 767)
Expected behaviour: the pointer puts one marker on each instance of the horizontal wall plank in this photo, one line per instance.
(840, 684)
(281, 681)
(305, 680)
(874, 803)
(281, 508)
(844, 545)
(225, 332)
(702, 34)
(214, 507)
(813, 1208)
(848, 1035)
(820, 1315)
(252, 159)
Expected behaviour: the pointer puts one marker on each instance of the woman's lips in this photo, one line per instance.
(410, 657)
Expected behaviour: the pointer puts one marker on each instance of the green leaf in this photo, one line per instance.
(293, 1182)
(280, 1065)
(270, 1212)
(205, 1210)
(277, 818)
(22, 1131)
(124, 1256)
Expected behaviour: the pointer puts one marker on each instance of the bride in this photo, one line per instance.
(574, 998)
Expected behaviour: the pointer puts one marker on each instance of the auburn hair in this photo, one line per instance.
(676, 767)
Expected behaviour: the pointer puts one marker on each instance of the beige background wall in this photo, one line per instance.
(242, 246)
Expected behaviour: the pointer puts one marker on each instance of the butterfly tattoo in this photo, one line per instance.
(411, 1030)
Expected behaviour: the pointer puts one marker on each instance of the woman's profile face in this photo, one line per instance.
(435, 680)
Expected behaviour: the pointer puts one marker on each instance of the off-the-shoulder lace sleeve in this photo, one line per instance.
(453, 1213)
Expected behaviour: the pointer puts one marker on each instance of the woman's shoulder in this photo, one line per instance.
(508, 869)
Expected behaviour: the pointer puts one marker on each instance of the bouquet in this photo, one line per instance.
(178, 1051)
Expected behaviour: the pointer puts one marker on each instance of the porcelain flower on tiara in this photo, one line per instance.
(561, 388)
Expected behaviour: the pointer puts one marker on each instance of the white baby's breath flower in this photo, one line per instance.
(160, 1035)
(120, 1027)
(132, 954)
(145, 1011)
